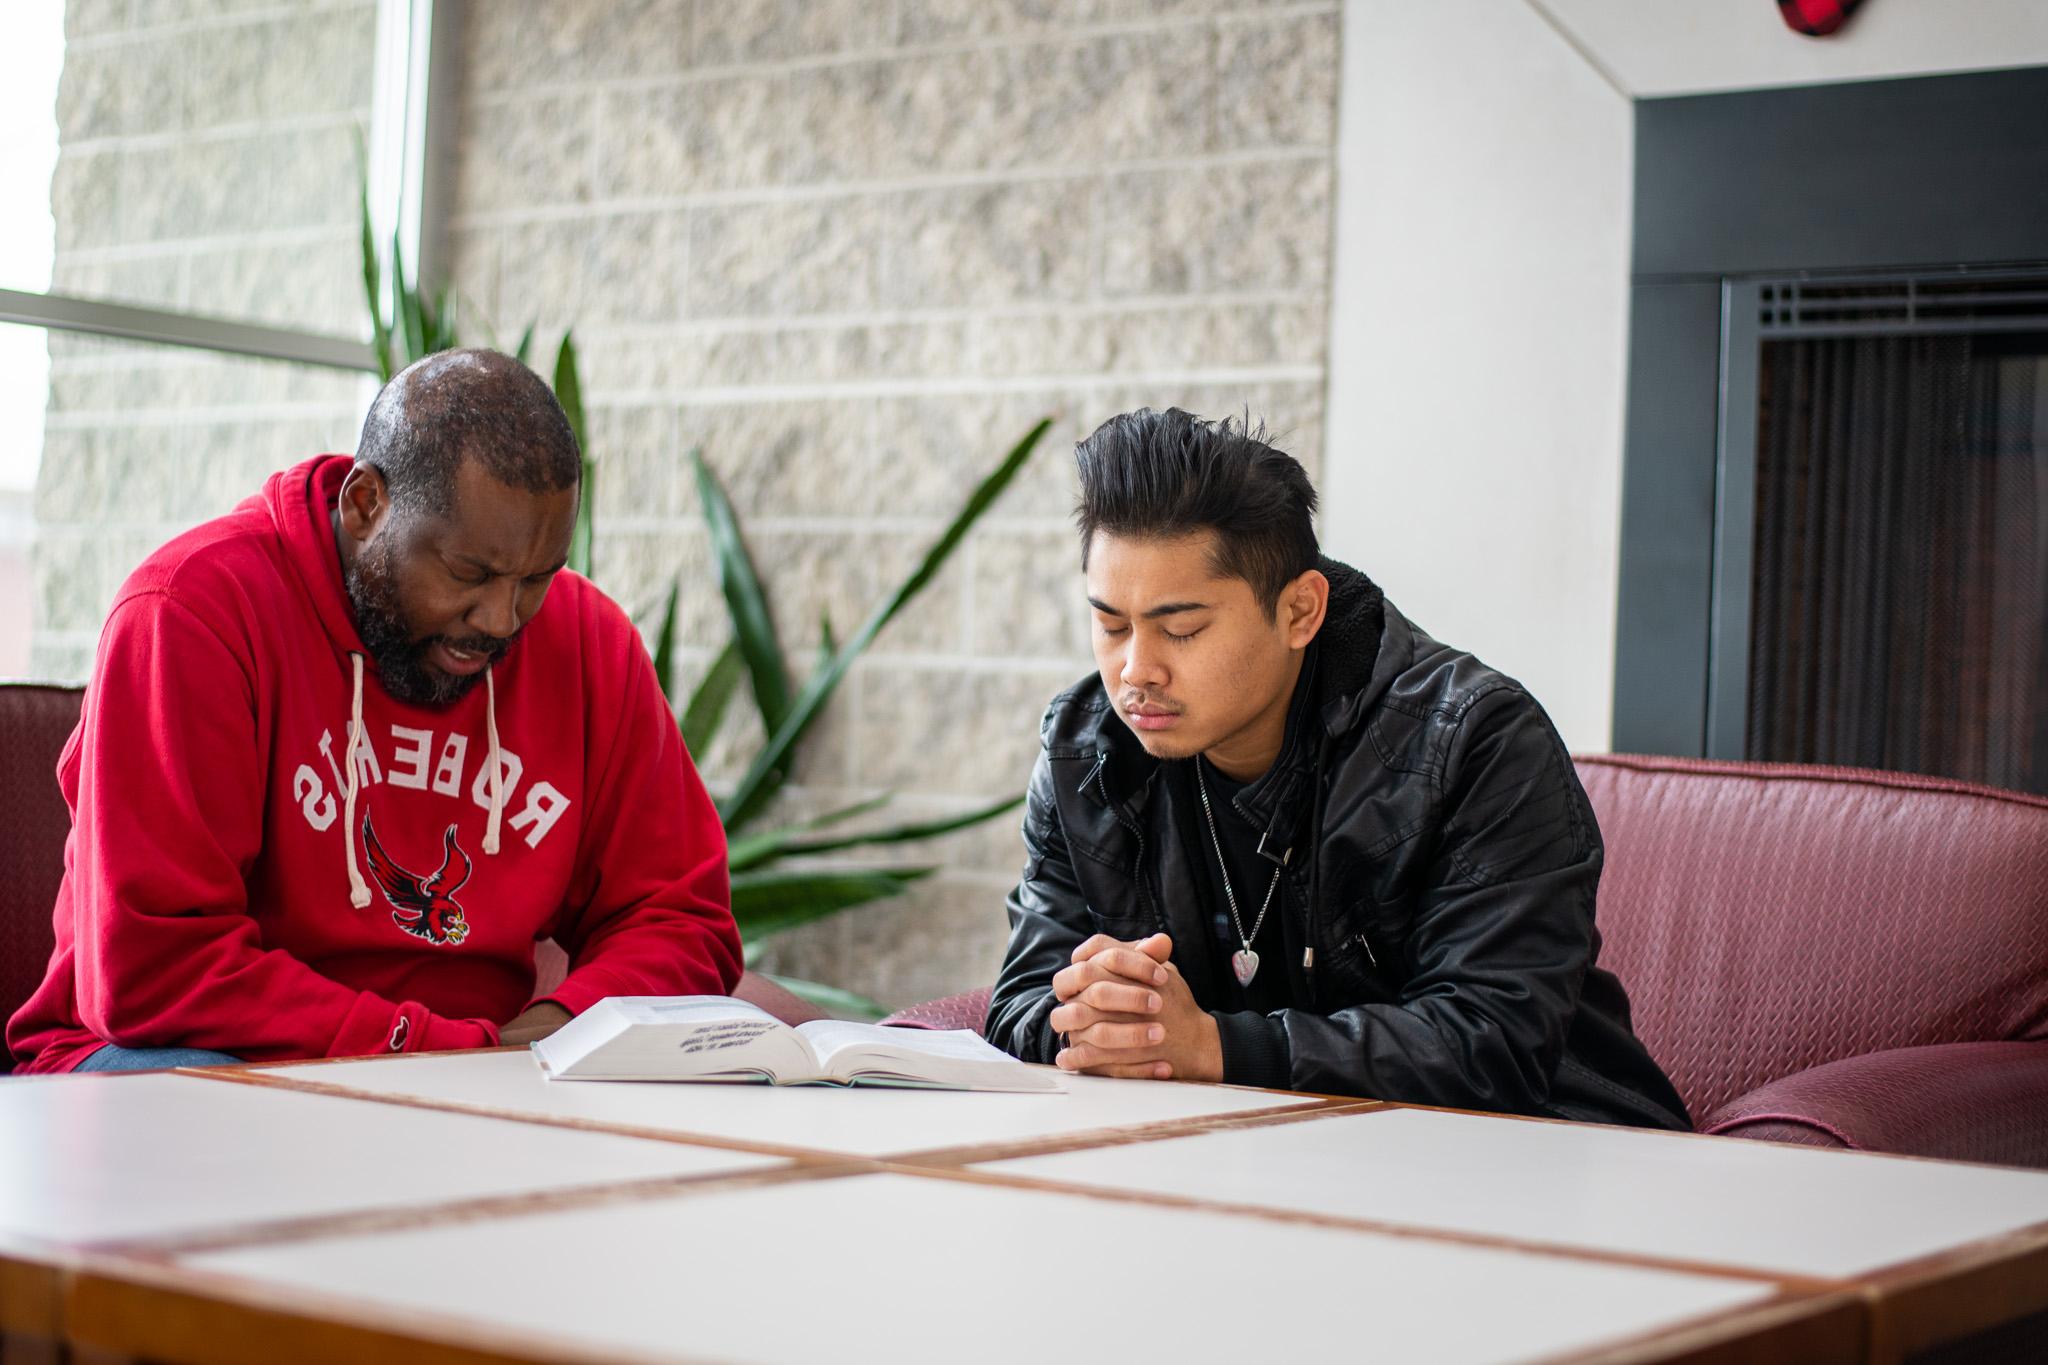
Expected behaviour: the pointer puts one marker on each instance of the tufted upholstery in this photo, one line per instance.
(35, 721)
(1907, 1100)
(1831, 956)
(1768, 918)
(967, 1010)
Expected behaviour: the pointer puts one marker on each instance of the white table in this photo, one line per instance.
(794, 1120)
(464, 1207)
(101, 1159)
(894, 1267)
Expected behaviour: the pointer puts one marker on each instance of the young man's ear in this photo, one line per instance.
(1303, 605)
(364, 502)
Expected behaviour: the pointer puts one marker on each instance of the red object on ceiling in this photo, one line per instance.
(1816, 18)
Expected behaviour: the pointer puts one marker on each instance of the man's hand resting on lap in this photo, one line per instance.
(1125, 1010)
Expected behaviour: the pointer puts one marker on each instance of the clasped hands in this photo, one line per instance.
(1125, 1010)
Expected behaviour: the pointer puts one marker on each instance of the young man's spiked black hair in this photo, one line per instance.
(1161, 475)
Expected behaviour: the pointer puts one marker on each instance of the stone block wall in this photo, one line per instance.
(851, 248)
(207, 164)
(854, 250)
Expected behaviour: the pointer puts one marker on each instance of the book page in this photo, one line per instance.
(675, 1038)
(686, 1009)
(831, 1038)
(954, 1058)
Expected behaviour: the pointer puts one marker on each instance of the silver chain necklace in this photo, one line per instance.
(1244, 962)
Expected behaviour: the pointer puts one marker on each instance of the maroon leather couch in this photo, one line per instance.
(1827, 956)
(35, 721)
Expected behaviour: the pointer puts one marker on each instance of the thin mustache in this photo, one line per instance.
(485, 645)
(1133, 703)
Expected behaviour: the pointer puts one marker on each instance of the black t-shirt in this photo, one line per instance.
(1251, 872)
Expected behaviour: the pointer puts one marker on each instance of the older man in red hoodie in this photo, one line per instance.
(350, 750)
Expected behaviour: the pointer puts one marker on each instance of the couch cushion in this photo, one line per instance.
(35, 722)
(1767, 918)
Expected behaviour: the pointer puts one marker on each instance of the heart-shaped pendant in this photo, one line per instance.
(1245, 963)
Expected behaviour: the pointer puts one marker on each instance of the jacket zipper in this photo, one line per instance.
(1116, 809)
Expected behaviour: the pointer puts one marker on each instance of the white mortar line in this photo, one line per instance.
(124, 37)
(1065, 670)
(965, 385)
(691, 329)
(85, 419)
(820, 61)
(124, 252)
(687, 526)
(218, 132)
(849, 189)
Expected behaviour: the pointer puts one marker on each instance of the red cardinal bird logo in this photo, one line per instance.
(424, 907)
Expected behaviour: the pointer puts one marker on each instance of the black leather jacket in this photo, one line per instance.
(1437, 914)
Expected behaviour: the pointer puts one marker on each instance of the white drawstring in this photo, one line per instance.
(358, 889)
(497, 767)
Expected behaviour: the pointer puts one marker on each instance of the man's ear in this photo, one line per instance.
(1303, 605)
(364, 502)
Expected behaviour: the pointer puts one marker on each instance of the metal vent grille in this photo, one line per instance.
(2006, 300)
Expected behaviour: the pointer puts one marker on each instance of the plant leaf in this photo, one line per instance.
(441, 323)
(569, 393)
(842, 1004)
(763, 776)
(373, 289)
(706, 710)
(568, 386)
(768, 902)
(525, 347)
(412, 323)
(755, 849)
(827, 645)
(437, 316)
(899, 834)
(665, 642)
(752, 627)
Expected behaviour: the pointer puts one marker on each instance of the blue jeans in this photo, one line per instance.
(115, 1058)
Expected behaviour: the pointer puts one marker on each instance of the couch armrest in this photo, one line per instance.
(1960, 1101)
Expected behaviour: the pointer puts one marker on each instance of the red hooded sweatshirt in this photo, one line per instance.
(224, 888)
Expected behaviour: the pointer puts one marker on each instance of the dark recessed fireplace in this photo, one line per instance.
(1881, 557)
(1835, 535)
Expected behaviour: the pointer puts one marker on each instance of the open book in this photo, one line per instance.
(717, 1038)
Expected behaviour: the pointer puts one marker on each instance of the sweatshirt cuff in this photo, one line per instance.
(1254, 1050)
(449, 1035)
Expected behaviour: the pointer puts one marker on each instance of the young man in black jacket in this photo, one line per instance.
(1284, 838)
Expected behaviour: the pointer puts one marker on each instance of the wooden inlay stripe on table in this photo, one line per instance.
(1108, 1135)
(1154, 1131)
(1789, 1329)
(239, 1076)
(351, 1222)
(1525, 1246)
(29, 1299)
(360, 1057)
(1958, 1292)
(173, 1314)
(1689, 1135)
(160, 1310)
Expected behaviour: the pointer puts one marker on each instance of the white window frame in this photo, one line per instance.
(410, 121)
